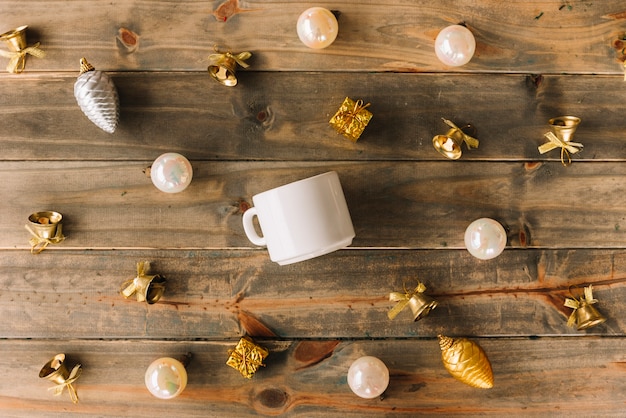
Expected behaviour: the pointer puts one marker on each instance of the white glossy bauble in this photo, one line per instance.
(455, 45)
(317, 27)
(368, 377)
(171, 173)
(485, 238)
(166, 378)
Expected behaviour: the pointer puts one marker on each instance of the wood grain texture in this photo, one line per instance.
(537, 370)
(284, 116)
(392, 35)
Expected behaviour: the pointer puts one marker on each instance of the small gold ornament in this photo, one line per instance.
(223, 66)
(420, 304)
(449, 144)
(97, 97)
(466, 361)
(351, 119)
(45, 228)
(247, 357)
(563, 129)
(584, 315)
(16, 42)
(55, 371)
(147, 288)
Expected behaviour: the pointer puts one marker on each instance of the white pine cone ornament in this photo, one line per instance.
(97, 97)
(466, 361)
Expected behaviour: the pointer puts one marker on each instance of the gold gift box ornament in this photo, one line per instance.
(560, 136)
(45, 228)
(16, 42)
(56, 371)
(146, 287)
(351, 119)
(420, 304)
(449, 144)
(247, 357)
(584, 315)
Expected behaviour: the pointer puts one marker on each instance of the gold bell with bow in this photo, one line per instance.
(56, 371)
(420, 304)
(45, 228)
(18, 48)
(449, 144)
(147, 288)
(223, 66)
(585, 315)
(560, 136)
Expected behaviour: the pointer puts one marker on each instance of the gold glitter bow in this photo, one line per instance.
(403, 299)
(351, 118)
(247, 357)
(586, 299)
(567, 147)
(146, 287)
(74, 375)
(17, 60)
(38, 244)
(223, 58)
(470, 141)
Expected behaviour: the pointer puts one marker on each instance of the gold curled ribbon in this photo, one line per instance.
(17, 60)
(586, 299)
(567, 147)
(139, 284)
(220, 58)
(247, 357)
(470, 141)
(38, 244)
(74, 375)
(403, 299)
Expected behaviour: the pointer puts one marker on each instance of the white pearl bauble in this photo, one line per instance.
(317, 27)
(166, 378)
(485, 238)
(171, 173)
(455, 45)
(368, 377)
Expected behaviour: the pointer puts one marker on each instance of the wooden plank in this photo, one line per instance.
(517, 36)
(308, 379)
(284, 116)
(402, 204)
(221, 294)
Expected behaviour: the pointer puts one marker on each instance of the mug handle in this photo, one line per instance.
(248, 227)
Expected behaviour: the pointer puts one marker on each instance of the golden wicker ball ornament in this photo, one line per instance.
(466, 361)
(97, 97)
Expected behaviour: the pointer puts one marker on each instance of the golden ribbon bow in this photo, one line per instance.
(247, 357)
(74, 375)
(471, 142)
(586, 299)
(567, 147)
(139, 284)
(38, 244)
(222, 58)
(17, 60)
(403, 299)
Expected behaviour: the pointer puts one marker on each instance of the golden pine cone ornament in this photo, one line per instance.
(466, 361)
(97, 97)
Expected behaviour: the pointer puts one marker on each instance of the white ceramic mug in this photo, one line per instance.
(301, 220)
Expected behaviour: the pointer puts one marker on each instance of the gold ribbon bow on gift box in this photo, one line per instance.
(148, 288)
(419, 303)
(567, 147)
(247, 357)
(584, 315)
(351, 118)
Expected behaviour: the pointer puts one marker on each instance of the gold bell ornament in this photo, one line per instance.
(466, 361)
(16, 42)
(97, 97)
(420, 304)
(147, 288)
(449, 144)
(45, 228)
(560, 136)
(585, 315)
(56, 371)
(223, 66)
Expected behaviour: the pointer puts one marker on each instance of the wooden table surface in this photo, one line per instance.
(410, 206)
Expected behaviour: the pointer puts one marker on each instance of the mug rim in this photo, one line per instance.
(296, 182)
